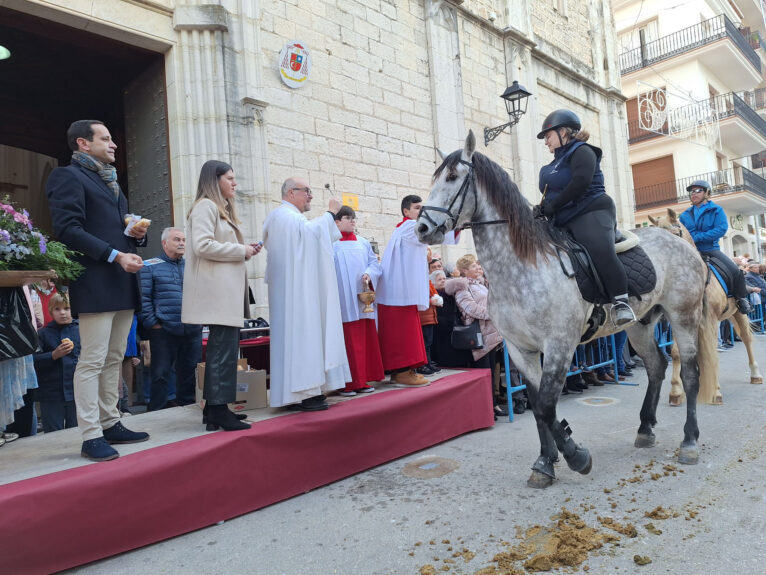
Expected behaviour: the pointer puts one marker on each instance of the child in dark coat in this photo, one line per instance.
(55, 365)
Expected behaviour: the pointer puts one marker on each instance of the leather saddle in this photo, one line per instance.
(639, 270)
(720, 272)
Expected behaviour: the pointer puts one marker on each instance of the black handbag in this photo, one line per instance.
(466, 336)
(18, 336)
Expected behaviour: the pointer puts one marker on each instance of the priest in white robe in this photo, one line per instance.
(308, 355)
(357, 268)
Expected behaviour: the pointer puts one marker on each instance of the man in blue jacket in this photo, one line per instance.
(172, 343)
(88, 212)
(706, 222)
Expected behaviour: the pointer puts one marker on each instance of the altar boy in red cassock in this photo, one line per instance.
(356, 266)
(402, 291)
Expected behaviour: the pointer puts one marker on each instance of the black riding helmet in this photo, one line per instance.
(699, 184)
(560, 119)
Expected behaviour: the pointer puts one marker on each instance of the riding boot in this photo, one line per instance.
(744, 306)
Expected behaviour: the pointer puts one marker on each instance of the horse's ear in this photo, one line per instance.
(470, 146)
(655, 221)
(672, 216)
(442, 155)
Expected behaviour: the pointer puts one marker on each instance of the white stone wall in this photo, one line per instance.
(390, 80)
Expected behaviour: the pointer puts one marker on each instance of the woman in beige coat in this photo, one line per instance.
(215, 287)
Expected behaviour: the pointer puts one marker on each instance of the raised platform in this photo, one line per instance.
(60, 511)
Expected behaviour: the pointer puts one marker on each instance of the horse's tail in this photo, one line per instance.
(707, 353)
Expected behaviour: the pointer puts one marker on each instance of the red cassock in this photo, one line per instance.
(363, 352)
(400, 336)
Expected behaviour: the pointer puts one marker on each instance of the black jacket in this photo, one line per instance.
(89, 219)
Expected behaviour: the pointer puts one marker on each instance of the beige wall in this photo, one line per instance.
(368, 120)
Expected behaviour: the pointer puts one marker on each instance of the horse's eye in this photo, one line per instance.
(451, 177)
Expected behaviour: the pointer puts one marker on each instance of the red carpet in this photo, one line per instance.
(72, 517)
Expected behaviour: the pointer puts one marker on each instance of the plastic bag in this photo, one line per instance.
(18, 336)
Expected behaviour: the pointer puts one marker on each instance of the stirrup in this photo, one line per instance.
(621, 314)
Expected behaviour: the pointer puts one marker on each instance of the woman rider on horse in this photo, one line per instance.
(574, 198)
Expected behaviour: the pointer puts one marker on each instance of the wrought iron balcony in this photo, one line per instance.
(707, 32)
(756, 99)
(729, 105)
(693, 118)
(724, 182)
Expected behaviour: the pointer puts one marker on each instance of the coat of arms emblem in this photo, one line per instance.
(294, 64)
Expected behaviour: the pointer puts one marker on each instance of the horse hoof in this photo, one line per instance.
(717, 400)
(756, 380)
(645, 440)
(580, 461)
(676, 400)
(689, 455)
(539, 480)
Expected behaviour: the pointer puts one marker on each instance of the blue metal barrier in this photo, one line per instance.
(510, 389)
(756, 316)
(663, 333)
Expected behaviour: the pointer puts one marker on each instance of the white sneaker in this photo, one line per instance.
(347, 392)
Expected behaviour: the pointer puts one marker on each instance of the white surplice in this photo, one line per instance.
(353, 259)
(308, 353)
(405, 270)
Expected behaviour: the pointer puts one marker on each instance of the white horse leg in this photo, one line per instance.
(676, 389)
(642, 339)
(686, 335)
(742, 327)
(553, 436)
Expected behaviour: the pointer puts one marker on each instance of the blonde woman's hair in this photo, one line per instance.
(208, 189)
(465, 262)
(582, 135)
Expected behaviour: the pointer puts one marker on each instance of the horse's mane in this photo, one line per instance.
(527, 235)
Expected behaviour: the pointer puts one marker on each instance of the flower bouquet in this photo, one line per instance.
(26, 255)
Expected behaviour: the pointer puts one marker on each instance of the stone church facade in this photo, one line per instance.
(390, 81)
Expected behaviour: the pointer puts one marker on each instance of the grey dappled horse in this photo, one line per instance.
(538, 309)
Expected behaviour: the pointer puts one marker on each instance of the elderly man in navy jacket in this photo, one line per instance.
(88, 212)
(172, 342)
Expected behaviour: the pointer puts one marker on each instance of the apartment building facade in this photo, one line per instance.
(693, 73)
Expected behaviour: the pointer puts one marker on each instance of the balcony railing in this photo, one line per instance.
(687, 119)
(685, 40)
(728, 105)
(756, 99)
(735, 179)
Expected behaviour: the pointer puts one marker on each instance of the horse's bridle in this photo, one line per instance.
(461, 194)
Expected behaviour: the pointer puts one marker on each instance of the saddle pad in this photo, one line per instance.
(721, 274)
(639, 269)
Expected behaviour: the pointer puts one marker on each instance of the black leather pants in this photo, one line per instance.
(221, 365)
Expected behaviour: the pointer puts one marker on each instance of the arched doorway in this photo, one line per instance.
(57, 74)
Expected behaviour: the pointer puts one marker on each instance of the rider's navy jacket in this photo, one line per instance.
(557, 176)
(706, 223)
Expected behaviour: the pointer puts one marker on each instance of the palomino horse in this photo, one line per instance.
(538, 309)
(719, 308)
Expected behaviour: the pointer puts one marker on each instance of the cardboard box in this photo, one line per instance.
(251, 388)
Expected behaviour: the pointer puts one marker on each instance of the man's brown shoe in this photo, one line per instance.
(408, 379)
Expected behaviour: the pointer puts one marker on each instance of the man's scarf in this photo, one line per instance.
(107, 172)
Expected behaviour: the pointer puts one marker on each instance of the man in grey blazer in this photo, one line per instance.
(88, 212)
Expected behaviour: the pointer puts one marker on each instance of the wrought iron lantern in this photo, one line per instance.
(515, 97)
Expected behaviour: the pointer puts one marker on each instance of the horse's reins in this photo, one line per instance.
(462, 193)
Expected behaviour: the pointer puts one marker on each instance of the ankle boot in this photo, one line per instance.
(220, 416)
(239, 416)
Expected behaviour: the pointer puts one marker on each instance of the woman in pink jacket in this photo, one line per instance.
(471, 295)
